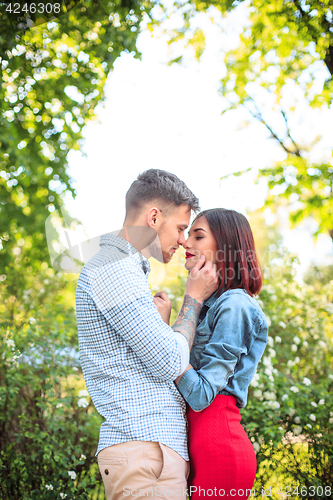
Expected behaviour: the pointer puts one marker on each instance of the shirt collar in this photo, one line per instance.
(112, 239)
(210, 301)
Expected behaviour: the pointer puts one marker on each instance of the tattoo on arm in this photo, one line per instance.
(187, 320)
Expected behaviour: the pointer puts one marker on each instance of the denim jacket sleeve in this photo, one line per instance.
(234, 330)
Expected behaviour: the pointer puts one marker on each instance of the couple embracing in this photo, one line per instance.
(170, 396)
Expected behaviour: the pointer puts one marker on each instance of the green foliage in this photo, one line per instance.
(275, 73)
(318, 276)
(52, 78)
(48, 427)
(289, 416)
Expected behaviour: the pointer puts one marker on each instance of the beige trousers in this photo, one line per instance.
(143, 469)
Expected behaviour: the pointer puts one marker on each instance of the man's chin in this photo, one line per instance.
(167, 257)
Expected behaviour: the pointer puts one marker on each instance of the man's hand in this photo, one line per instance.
(163, 304)
(202, 281)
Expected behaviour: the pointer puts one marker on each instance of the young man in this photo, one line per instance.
(129, 354)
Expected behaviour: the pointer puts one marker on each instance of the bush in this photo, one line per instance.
(289, 416)
(49, 428)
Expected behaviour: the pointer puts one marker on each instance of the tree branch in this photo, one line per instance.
(297, 150)
(259, 117)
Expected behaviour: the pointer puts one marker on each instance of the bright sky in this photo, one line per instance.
(169, 117)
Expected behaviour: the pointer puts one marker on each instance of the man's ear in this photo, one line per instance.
(153, 217)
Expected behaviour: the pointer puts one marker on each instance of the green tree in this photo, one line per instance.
(280, 69)
(52, 79)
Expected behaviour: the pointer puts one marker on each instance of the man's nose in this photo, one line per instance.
(184, 243)
(181, 240)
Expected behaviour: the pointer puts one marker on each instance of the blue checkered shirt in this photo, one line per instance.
(129, 356)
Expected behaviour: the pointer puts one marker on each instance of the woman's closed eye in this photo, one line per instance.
(198, 237)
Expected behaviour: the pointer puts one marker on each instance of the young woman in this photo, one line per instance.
(230, 340)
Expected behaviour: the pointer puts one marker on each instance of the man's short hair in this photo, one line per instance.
(162, 186)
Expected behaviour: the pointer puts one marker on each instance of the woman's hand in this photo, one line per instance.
(163, 304)
(203, 280)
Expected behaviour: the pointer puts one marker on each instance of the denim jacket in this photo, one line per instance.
(230, 339)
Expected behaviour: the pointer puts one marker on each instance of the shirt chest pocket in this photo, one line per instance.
(200, 341)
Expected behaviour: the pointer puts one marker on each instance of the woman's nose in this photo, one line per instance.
(186, 244)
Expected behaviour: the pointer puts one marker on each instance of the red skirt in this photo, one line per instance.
(222, 458)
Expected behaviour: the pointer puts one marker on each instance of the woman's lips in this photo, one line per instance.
(189, 255)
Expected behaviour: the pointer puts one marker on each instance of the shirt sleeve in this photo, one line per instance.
(122, 294)
(184, 351)
(232, 337)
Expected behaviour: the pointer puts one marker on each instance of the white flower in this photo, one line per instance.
(305, 344)
(297, 420)
(49, 486)
(59, 405)
(292, 412)
(63, 495)
(296, 340)
(83, 394)
(314, 404)
(32, 321)
(322, 344)
(290, 363)
(270, 341)
(75, 369)
(330, 376)
(274, 404)
(306, 381)
(257, 393)
(278, 339)
(294, 389)
(297, 360)
(267, 361)
(82, 403)
(282, 324)
(330, 420)
(309, 425)
(321, 402)
(312, 417)
(294, 347)
(83, 457)
(268, 371)
(297, 430)
(255, 380)
(284, 397)
(331, 413)
(268, 321)
(10, 343)
(72, 474)
(256, 446)
(270, 395)
(272, 352)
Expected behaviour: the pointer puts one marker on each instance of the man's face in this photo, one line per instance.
(171, 232)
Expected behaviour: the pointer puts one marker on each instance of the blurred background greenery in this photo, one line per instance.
(49, 427)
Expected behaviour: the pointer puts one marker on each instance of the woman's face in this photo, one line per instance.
(200, 241)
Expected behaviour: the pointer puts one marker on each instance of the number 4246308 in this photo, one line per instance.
(32, 8)
(304, 491)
